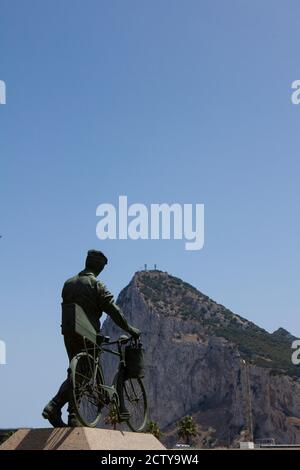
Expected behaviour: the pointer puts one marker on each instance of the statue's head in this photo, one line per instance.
(95, 261)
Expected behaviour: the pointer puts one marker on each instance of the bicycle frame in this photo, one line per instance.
(114, 391)
(123, 394)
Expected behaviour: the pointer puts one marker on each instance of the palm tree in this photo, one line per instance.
(187, 428)
(112, 417)
(154, 429)
(5, 436)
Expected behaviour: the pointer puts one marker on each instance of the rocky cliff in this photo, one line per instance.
(205, 361)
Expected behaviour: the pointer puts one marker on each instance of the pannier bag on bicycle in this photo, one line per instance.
(134, 360)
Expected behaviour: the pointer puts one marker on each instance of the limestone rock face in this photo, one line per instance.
(205, 361)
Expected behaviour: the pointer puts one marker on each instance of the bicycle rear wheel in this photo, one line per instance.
(135, 400)
(88, 395)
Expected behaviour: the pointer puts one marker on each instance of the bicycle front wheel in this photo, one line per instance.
(135, 400)
(88, 394)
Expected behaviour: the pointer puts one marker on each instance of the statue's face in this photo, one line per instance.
(95, 266)
(100, 268)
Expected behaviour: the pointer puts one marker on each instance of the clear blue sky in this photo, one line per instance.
(163, 101)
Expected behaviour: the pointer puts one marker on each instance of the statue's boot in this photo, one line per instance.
(52, 412)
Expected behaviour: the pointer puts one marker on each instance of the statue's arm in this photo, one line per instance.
(115, 313)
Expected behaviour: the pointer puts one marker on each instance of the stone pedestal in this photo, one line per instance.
(80, 439)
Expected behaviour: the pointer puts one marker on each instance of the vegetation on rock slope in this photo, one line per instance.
(170, 296)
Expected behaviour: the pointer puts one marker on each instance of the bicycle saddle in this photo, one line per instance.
(123, 338)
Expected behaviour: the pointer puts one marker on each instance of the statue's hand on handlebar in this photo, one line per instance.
(135, 332)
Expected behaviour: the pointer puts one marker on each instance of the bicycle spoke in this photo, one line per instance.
(87, 390)
(135, 402)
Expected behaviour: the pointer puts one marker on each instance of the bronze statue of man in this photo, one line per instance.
(92, 296)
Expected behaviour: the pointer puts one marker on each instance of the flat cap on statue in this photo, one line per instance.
(97, 256)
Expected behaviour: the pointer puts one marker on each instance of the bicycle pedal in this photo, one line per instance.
(125, 416)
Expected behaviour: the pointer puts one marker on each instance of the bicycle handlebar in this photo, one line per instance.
(122, 340)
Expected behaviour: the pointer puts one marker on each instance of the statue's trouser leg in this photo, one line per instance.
(74, 345)
(63, 395)
(119, 387)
